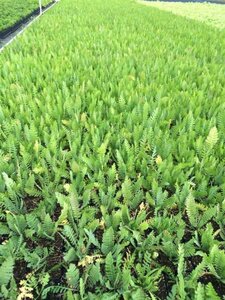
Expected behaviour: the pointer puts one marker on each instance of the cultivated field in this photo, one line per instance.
(12, 11)
(209, 13)
(112, 173)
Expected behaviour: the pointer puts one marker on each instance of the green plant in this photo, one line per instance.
(112, 156)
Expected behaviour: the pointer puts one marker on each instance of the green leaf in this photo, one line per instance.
(108, 241)
(6, 271)
(192, 210)
(72, 276)
(211, 294)
(109, 268)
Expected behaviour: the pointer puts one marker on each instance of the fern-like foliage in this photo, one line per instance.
(180, 273)
(207, 238)
(139, 294)
(211, 293)
(70, 234)
(196, 274)
(191, 210)
(6, 271)
(126, 159)
(110, 268)
(95, 275)
(198, 214)
(72, 276)
(217, 258)
(200, 292)
(212, 137)
(108, 241)
(74, 206)
(127, 190)
(55, 289)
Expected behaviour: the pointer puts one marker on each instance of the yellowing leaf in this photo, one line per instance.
(158, 160)
(131, 77)
(7, 157)
(67, 187)
(36, 146)
(38, 170)
(65, 122)
(75, 167)
(212, 137)
(88, 259)
(83, 117)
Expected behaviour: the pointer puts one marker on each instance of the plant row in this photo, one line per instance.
(12, 11)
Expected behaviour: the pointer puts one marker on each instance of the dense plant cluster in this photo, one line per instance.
(112, 182)
(12, 11)
(212, 14)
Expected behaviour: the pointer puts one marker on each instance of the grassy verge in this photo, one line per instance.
(112, 134)
(209, 13)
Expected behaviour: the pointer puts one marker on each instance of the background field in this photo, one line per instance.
(209, 13)
(112, 158)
